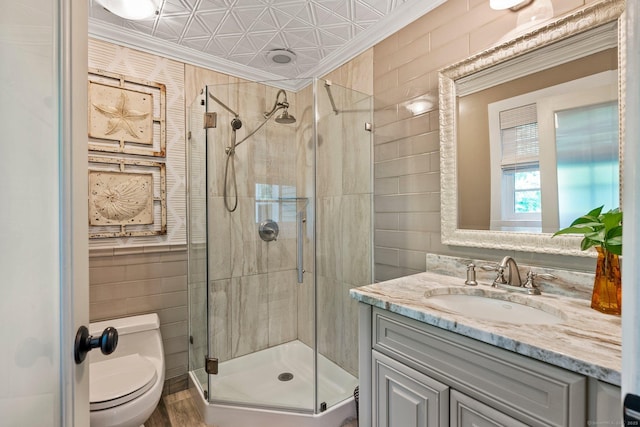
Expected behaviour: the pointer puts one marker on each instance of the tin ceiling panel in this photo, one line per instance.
(242, 32)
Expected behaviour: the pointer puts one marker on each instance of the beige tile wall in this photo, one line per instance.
(406, 154)
(131, 281)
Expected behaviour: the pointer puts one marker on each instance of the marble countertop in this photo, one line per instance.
(584, 341)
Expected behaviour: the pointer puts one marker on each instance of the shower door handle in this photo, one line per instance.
(301, 220)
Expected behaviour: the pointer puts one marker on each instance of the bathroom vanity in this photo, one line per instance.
(423, 364)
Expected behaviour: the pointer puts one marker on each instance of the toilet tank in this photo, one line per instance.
(136, 334)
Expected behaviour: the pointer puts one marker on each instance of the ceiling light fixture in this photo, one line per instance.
(132, 9)
(281, 56)
(513, 5)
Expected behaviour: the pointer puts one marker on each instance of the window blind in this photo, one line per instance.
(519, 136)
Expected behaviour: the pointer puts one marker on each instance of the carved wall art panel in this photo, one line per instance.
(126, 197)
(120, 198)
(126, 115)
(120, 114)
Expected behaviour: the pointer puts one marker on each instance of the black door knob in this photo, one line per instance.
(631, 410)
(107, 342)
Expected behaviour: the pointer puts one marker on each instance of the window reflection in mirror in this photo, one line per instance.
(540, 149)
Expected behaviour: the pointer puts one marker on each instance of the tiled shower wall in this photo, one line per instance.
(406, 155)
(251, 282)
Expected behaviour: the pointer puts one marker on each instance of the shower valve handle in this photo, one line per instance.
(268, 230)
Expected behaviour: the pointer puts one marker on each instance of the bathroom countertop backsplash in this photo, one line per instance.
(585, 341)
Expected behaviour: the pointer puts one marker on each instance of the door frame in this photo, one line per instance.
(72, 58)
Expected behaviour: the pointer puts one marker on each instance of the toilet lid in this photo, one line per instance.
(117, 381)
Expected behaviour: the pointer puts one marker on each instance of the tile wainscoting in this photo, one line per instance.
(129, 281)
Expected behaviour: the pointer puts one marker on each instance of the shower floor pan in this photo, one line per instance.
(277, 378)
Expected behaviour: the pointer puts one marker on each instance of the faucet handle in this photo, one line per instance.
(499, 280)
(532, 287)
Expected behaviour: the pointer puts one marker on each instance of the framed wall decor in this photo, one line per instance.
(126, 115)
(127, 197)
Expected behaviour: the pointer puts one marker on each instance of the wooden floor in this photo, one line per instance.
(176, 410)
(179, 410)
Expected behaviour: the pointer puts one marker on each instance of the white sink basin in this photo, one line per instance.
(495, 306)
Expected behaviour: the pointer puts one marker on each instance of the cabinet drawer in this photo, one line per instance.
(536, 393)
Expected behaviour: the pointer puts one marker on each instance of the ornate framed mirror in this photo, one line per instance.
(514, 122)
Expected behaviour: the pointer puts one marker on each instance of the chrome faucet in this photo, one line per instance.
(513, 278)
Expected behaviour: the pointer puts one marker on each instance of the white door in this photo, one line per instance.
(43, 219)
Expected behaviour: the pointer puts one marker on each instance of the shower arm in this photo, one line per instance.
(223, 105)
(266, 119)
(277, 105)
(327, 85)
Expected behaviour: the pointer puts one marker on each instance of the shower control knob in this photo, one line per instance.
(107, 342)
(268, 230)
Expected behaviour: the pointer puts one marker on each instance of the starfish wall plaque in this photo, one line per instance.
(127, 115)
(120, 114)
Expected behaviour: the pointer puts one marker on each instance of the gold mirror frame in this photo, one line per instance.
(586, 18)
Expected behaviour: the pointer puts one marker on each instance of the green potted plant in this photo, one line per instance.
(604, 232)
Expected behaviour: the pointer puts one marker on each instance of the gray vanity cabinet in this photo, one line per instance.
(404, 397)
(421, 375)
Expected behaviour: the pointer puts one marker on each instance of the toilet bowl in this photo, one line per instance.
(125, 386)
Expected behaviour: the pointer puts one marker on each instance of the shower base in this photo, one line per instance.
(278, 385)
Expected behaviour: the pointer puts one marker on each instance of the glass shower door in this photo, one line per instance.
(197, 229)
(344, 234)
(259, 322)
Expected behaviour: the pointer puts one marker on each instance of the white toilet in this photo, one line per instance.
(126, 386)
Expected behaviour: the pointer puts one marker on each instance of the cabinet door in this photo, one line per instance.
(468, 412)
(605, 403)
(403, 397)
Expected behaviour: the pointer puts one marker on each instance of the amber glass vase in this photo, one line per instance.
(607, 286)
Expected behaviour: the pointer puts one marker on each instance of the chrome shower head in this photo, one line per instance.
(285, 118)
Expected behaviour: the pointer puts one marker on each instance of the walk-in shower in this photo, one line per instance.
(279, 231)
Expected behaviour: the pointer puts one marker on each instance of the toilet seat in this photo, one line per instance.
(119, 380)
